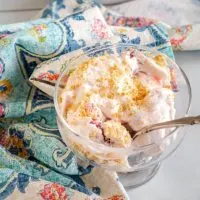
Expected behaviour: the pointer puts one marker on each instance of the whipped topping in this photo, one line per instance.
(105, 93)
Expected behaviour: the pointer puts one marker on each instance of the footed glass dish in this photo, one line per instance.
(138, 163)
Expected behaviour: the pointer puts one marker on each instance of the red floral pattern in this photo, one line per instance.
(129, 21)
(2, 110)
(180, 35)
(1, 69)
(53, 192)
(100, 29)
(116, 197)
(50, 75)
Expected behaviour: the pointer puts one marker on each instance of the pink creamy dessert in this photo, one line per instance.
(104, 94)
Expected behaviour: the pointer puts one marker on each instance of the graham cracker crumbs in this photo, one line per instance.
(160, 60)
(116, 134)
(140, 91)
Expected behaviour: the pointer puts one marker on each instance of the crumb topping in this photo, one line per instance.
(109, 90)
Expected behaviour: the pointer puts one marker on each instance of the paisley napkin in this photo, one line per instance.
(181, 17)
(34, 162)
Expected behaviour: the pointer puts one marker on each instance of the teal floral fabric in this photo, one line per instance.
(26, 45)
(34, 161)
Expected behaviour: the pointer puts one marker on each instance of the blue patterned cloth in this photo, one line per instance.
(31, 149)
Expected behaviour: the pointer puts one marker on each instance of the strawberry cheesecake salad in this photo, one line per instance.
(106, 96)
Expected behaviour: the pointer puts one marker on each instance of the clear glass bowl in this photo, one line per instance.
(137, 164)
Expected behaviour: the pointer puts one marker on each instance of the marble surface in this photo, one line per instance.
(179, 175)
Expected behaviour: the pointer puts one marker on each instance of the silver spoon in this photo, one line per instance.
(192, 120)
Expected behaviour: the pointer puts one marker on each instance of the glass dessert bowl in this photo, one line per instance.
(107, 91)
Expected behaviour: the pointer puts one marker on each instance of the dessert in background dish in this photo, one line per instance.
(104, 95)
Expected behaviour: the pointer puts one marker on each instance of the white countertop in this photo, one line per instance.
(179, 175)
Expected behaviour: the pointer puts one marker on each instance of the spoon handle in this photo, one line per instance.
(169, 124)
(46, 82)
